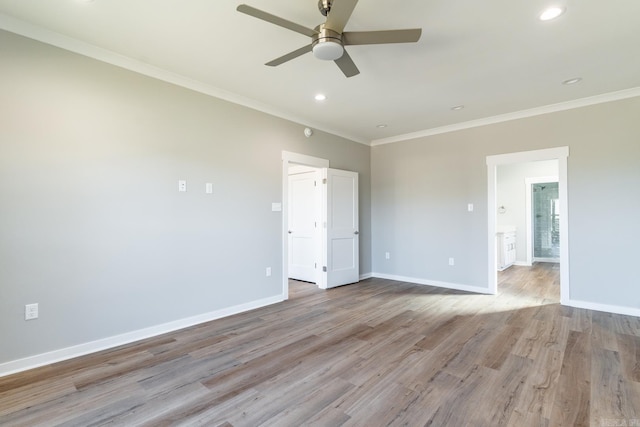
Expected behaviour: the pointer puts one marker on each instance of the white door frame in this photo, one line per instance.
(528, 182)
(561, 154)
(287, 159)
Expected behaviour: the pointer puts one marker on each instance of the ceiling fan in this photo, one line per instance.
(328, 39)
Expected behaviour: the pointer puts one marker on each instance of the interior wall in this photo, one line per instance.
(510, 186)
(421, 188)
(92, 226)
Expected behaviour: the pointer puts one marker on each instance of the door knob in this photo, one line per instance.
(356, 232)
(289, 231)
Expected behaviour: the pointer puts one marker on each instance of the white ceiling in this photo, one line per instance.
(494, 57)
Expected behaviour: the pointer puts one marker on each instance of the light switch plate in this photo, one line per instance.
(276, 207)
(30, 311)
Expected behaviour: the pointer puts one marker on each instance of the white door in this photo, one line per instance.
(341, 242)
(303, 238)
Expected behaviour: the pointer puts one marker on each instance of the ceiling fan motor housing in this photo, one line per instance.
(327, 44)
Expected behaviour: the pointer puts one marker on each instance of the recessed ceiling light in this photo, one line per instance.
(381, 126)
(457, 107)
(572, 81)
(551, 13)
(320, 97)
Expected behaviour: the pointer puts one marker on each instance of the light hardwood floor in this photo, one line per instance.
(371, 354)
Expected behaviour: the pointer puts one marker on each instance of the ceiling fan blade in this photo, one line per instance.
(346, 65)
(289, 56)
(381, 37)
(257, 13)
(339, 14)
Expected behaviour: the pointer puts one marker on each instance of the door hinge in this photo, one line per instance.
(315, 183)
(324, 268)
(324, 180)
(315, 265)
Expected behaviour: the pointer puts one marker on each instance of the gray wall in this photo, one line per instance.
(92, 226)
(420, 190)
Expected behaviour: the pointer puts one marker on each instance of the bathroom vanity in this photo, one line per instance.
(506, 246)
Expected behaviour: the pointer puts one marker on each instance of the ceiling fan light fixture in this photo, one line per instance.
(328, 50)
(327, 44)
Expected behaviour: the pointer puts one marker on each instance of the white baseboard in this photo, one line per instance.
(523, 264)
(551, 260)
(38, 360)
(627, 311)
(436, 283)
(366, 276)
(616, 309)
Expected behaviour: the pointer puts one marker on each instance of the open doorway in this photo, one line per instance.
(301, 161)
(543, 219)
(338, 261)
(546, 219)
(498, 208)
(303, 228)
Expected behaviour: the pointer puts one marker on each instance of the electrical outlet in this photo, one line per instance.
(182, 186)
(208, 188)
(268, 271)
(387, 255)
(451, 261)
(30, 311)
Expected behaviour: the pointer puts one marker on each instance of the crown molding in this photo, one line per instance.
(546, 109)
(71, 44)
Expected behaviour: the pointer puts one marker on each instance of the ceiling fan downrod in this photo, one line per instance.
(324, 6)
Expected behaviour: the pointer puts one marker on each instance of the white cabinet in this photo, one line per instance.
(506, 245)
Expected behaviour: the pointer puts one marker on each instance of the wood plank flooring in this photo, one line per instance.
(375, 353)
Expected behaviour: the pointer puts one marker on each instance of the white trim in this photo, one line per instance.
(549, 260)
(607, 308)
(288, 158)
(71, 44)
(435, 283)
(528, 210)
(528, 156)
(305, 160)
(366, 276)
(522, 264)
(48, 358)
(561, 154)
(545, 109)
